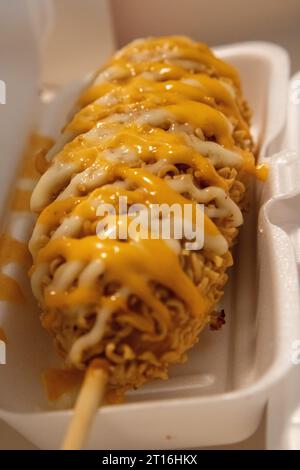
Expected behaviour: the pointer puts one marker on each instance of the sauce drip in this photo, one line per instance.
(57, 382)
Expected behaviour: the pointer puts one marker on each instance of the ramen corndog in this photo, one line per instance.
(164, 121)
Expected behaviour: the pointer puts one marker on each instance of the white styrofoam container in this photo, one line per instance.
(219, 395)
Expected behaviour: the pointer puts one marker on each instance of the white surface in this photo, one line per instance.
(16, 36)
(82, 39)
(229, 376)
(11, 439)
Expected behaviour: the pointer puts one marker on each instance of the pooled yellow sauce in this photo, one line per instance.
(38, 145)
(10, 290)
(262, 171)
(21, 200)
(57, 382)
(3, 336)
(12, 250)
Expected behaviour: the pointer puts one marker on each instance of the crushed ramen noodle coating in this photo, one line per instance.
(164, 121)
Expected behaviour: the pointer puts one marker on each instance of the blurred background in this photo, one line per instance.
(88, 30)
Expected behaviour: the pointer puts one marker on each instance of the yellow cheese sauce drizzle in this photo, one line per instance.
(132, 263)
(154, 190)
(153, 143)
(12, 251)
(151, 94)
(10, 290)
(176, 47)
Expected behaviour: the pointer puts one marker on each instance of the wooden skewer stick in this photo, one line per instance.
(88, 401)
